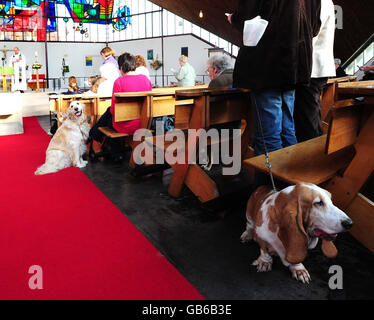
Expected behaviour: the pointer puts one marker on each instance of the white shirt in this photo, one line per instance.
(323, 43)
(109, 71)
(22, 60)
(105, 88)
(143, 70)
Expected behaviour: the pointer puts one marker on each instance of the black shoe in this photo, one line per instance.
(89, 140)
(95, 156)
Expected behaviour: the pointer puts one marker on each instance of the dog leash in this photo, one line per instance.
(267, 160)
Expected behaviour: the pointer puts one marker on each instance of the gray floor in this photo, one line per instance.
(206, 248)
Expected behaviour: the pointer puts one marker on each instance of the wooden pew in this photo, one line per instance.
(53, 102)
(209, 108)
(328, 97)
(101, 104)
(145, 106)
(341, 161)
(94, 105)
(316, 160)
(159, 101)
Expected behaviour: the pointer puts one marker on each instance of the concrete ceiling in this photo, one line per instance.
(358, 20)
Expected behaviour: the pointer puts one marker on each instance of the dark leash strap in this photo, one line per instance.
(267, 161)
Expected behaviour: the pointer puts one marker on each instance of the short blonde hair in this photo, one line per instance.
(183, 58)
(140, 61)
(99, 81)
(93, 80)
(107, 51)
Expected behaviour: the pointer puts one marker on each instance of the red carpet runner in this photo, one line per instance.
(62, 222)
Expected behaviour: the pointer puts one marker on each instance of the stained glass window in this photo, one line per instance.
(93, 21)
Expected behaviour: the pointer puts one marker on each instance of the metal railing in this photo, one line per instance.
(362, 56)
(59, 84)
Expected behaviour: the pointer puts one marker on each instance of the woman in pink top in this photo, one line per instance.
(129, 82)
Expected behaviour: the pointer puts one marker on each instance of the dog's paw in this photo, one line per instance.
(262, 266)
(246, 236)
(300, 273)
(82, 164)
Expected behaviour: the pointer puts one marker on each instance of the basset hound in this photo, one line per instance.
(290, 221)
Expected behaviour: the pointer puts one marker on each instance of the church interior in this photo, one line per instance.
(113, 229)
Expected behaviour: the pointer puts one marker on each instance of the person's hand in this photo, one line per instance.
(229, 18)
(367, 68)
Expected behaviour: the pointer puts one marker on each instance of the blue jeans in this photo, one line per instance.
(276, 113)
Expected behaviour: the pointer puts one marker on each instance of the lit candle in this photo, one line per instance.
(36, 54)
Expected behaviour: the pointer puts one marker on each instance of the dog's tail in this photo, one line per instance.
(44, 169)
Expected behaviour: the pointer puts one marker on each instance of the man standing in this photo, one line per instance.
(220, 71)
(307, 115)
(281, 59)
(18, 62)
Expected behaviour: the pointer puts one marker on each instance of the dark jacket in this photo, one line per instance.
(283, 57)
(223, 80)
(340, 73)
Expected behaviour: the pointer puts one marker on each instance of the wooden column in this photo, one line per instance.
(4, 83)
(37, 81)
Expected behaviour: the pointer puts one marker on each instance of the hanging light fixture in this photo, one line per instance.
(201, 15)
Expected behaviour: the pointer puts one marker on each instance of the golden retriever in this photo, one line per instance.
(68, 144)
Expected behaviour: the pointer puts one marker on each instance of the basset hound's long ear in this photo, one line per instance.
(292, 232)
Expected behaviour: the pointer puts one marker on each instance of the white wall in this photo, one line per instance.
(197, 52)
(75, 57)
(75, 54)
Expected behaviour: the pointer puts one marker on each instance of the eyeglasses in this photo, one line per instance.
(207, 69)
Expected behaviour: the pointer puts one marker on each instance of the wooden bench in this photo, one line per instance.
(341, 161)
(94, 105)
(145, 106)
(316, 160)
(329, 97)
(209, 108)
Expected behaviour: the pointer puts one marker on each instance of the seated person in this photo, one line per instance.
(72, 86)
(369, 72)
(220, 70)
(109, 74)
(141, 67)
(94, 88)
(339, 70)
(129, 82)
(91, 82)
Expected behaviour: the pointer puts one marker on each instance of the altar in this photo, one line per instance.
(4, 73)
(11, 114)
(35, 79)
